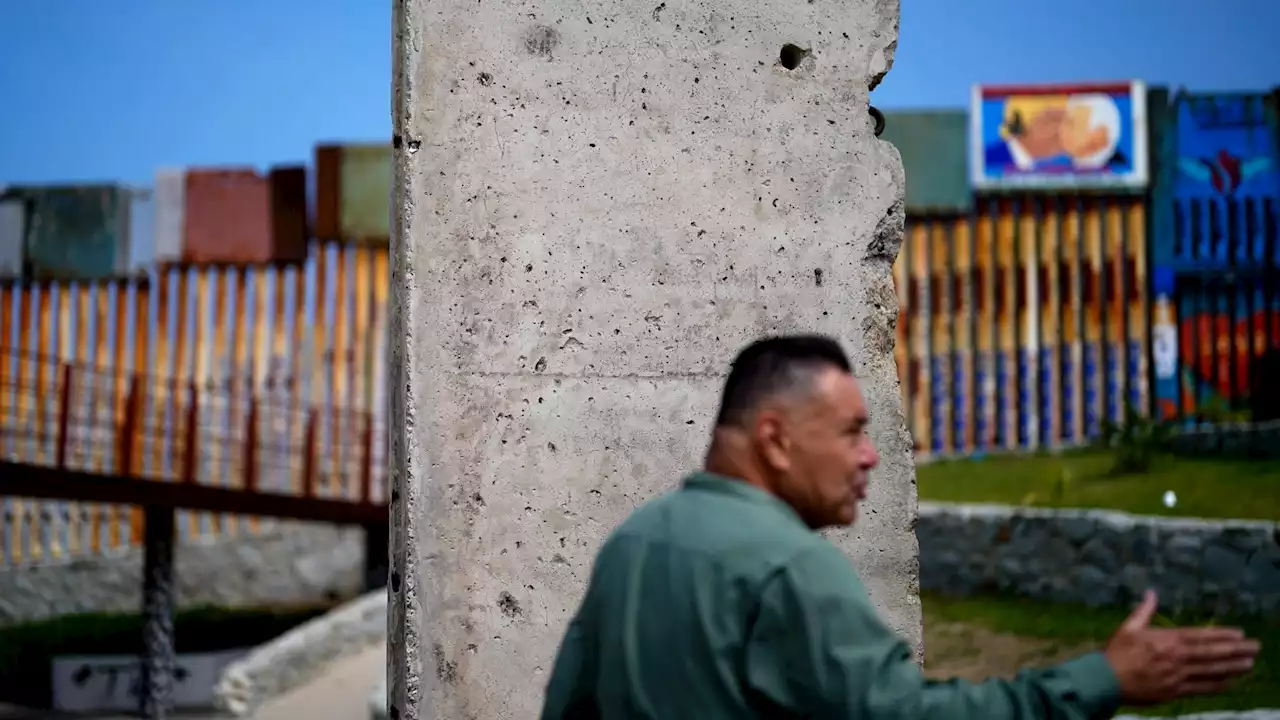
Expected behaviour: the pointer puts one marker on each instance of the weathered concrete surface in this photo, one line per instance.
(291, 661)
(284, 563)
(1100, 557)
(596, 206)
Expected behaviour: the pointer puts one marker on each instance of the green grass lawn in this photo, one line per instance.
(1204, 488)
(1072, 629)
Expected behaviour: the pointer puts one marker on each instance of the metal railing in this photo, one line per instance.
(103, 422)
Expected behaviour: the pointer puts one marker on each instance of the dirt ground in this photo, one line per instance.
(970, 652)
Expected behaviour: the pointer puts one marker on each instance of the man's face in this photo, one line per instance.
(819, 448)
(1080, 137)
(1042, 135)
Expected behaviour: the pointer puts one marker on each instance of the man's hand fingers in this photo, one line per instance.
(1141, 616)
(1220, 670)
(1223, 650)
(1201, 635)
(1203, 687)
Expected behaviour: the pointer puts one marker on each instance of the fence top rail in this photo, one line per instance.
(45, 483)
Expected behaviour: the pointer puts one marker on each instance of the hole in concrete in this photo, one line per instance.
(791, 56)
(877, 119)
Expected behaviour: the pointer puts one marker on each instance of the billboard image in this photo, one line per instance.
(1059, 137)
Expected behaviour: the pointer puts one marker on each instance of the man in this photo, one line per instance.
(1026, 145)
(1091, 133)
(720, 600)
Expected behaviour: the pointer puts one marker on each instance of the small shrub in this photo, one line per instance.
(1135, 442)
(1060, 486)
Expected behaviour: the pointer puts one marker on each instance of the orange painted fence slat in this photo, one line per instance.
(1023, 325)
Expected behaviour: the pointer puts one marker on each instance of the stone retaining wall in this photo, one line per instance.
(1100, 557)
(1256, 441)
(285, 562)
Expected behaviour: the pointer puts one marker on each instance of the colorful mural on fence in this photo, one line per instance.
(1022, 325)
(1059, 136)
(1216, 280)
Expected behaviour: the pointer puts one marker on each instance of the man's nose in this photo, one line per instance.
(870, 456)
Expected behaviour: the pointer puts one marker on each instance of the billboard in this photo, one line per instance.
(1059, 137)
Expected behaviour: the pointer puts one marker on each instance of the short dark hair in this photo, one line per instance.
(774, 365)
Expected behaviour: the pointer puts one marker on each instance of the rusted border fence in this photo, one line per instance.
(1020, 327)
(284, 342)
(1024, 324)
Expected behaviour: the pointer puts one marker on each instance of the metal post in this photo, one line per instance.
(157, 614)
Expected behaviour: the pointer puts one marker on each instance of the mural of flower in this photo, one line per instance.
(1223, 171)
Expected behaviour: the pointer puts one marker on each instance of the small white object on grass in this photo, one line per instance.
(1170, 499)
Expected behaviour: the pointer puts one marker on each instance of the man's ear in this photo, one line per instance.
(772, 440)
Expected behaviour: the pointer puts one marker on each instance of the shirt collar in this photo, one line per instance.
(725, 485)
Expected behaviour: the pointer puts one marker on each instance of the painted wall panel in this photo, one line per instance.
(366, 193)
(934, 150)
(77, 232)
(228, 217)
(142, 232)
(13, 222)
(327, 191)
(353, 193)
(1217, 259)
(170, 215)
(289, 233)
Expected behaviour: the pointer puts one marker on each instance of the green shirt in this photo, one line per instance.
(716, 601)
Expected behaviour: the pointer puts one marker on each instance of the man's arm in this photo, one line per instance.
(817, 648)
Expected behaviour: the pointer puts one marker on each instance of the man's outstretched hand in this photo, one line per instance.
(1157, 665)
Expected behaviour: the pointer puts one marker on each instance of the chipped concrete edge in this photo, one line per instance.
(290, 660)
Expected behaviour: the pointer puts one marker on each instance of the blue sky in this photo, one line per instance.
(93, 90)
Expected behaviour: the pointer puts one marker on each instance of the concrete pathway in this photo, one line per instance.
(341, 692)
